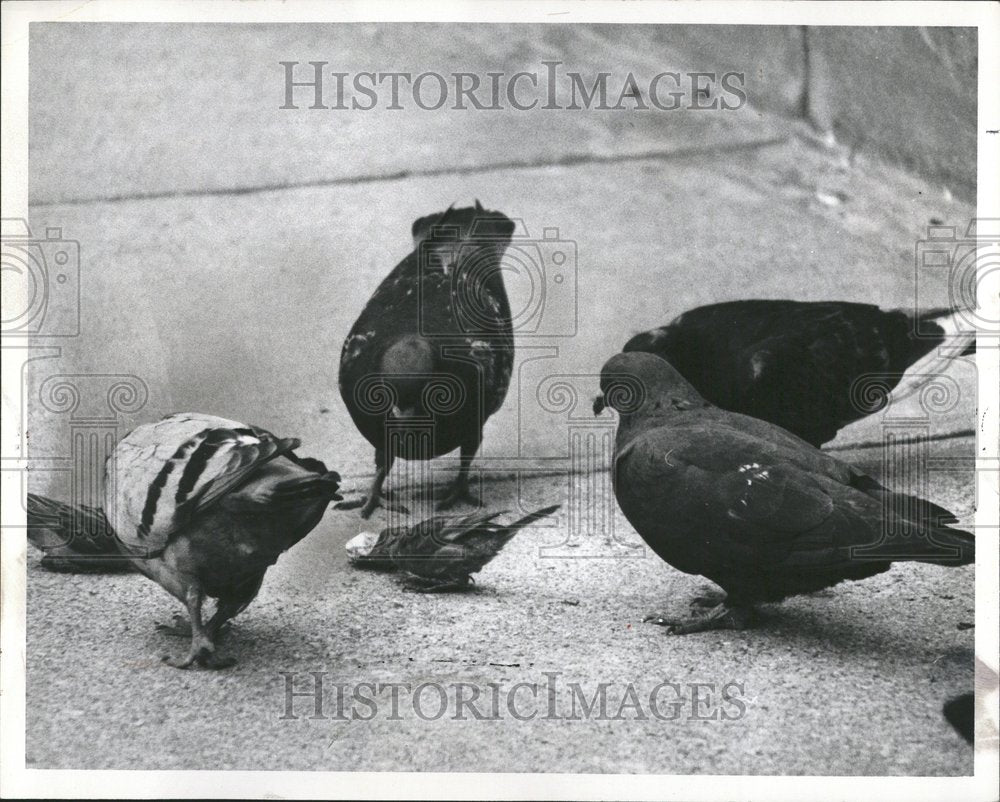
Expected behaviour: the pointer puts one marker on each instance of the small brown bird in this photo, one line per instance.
(204, 506)
(439, 553)
(753, 508)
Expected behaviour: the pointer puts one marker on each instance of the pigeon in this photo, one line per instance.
(794, 363)
(748, 505)
(430, 357)
(73, 538)
(203, 506)
(439, 553)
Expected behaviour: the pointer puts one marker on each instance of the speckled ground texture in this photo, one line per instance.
(237, 303)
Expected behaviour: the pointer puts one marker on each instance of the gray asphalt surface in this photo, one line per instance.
(235, 301)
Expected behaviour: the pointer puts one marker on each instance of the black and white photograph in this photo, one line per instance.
(551, 400)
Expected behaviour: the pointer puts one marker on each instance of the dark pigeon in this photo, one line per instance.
(430, 357)
(440, 553)
(795, 363)
(76, 539)
(748, 505)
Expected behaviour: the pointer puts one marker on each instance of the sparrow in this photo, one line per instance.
(439, 553)
(203, 506)
(752, 507)
(429, 358)
(793, 363)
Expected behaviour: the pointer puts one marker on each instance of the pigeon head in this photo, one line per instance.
(649, 341)
(637, 383)
(469, 224)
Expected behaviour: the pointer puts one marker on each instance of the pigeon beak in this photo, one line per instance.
(599, 404)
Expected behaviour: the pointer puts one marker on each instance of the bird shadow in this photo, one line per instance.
(837, 632)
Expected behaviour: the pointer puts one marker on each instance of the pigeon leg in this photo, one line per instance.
(459, 490)
(181, 628)
(708, 598)
(722, 616)
(171, 582)
(217, 624)
(202, 649)
(375, 497)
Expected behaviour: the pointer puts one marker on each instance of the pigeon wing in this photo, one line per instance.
(159, 495)
(711, 505)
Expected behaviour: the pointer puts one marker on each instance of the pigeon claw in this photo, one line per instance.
(707, 600)
(369, 504)
(350, 504)
(420, 585)
(202, 654)
(721, 616)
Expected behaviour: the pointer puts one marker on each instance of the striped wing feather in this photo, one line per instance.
(167, 473)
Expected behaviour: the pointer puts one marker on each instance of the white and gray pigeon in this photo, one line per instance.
(203, 506)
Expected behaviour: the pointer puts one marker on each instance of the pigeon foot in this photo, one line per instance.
(421, 585)
(181, 627)
(708, 599)
(202, 654)
(722, 616)
(369, 504)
